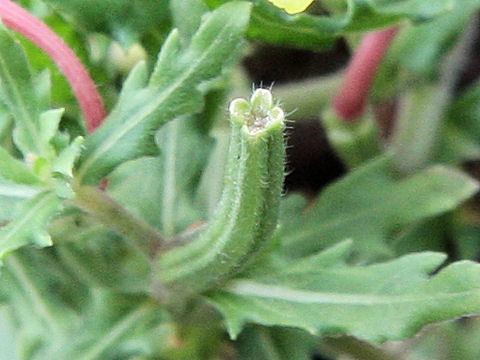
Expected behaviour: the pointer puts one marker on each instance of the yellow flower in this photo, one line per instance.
(292, 6)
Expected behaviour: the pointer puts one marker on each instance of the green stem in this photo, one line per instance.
(308, 98)
(170, 187)
(106, 210)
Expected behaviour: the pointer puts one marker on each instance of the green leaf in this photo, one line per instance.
(76, 322)
(7, 339)
(63, 164)
(187, 15)
(419, 52)
(168, 181)
(113, 327)
(98, 257)
(49, 122)
(261, 343)
(29, 226)
(173, 91)
(14, 170)
(380, 302)
(18, 93)
(371, 204)
(271, 24)
(12, 196)
(461, 130)
(127, 21)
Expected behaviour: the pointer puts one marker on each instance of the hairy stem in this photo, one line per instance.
(38, 32)
(248, 210)
(351, 99)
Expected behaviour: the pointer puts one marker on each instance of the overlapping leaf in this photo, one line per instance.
(370, 204)
(419, 52)
(169, 180)
(125, 20)
(273, 25)
(128, 132)
(324, 295)
(74, 322)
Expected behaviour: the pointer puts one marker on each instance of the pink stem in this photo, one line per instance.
(351, 99)
(38, 32)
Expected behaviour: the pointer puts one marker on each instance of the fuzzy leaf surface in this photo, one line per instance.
(325, 296)
(75, 322)
(128, 132)
(371, 204)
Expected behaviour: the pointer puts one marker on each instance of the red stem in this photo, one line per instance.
(351, 99)
(39, 33)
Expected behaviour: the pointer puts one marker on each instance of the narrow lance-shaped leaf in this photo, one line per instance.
(248, 209)
(128, 132)
(17, 92)
(12, 169)
(325, 296)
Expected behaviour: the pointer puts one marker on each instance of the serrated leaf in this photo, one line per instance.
(30, 223)
(128, 132)
(63, 163)
(370, 204)
(273, 25)
(324, 296)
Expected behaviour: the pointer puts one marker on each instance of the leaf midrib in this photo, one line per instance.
(275, 292)
(135, 120)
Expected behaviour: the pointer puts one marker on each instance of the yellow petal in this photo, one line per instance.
(292, 6)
